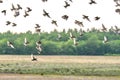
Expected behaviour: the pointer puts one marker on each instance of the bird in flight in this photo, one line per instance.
(8, 23)
(44, 0)
(10, 44)
(19, 7)
(1, 1)
(26, 14)
(54, 22)
(86, 17)
(97, 18)
(33, 58)
(28, 9)
(105, 40)
(14, 24)
(92, 2)
(117, 11)
(65, 17)
(26, 42)
(104, 28)
(17, 13)
(4, 12)
(13, 7)
(79, 23)
(66, 4)
(46, 14)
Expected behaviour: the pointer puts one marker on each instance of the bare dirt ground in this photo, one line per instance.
(37, 77)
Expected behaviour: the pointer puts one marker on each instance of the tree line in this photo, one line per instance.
(89, 43)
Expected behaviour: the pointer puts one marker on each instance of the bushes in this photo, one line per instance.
(88, 44)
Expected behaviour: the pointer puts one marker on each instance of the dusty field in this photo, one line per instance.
(58, 59)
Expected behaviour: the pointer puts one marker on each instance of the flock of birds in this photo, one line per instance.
(67, 3)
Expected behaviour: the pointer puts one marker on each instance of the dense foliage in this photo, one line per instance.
(90, 43)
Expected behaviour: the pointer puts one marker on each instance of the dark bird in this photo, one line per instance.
(1, 1)
(117, 2)
(37, 30)
(104, 28)
(19, 7)
(70, 0)
(26, 14)
(13, 8)
(65, 17)
(17, 13)
(86, 17)
(79, 23)
(92, 2)
(117, 11)
(14, 24)
(26, 42)
(8, 22)
(54, 22)
(37, 26)
(29, 9)
(4, 12)
(97, 18)
(66, 4)
(46, 14)
(33, 58)
(10, 44)
(44, 0)
(105, 40)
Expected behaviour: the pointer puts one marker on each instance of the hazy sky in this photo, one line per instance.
(104, 9)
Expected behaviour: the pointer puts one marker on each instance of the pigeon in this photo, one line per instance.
(3, 11)
(104, 28)
(92, 2)
(66, 4)
(71, 36)
(29, 9)
(38, 43)
(26, 14)
(79, 23)
(65, 17)
(37, 26)
(46, 14)
(17, 13)
(19, 7)
(105, 40)
(25, 42)
(33, 58)
(13, 8)
(1, 1)
(97, 18)
(8, 22)
(54, 22)
(74, 41)
(117, 11)
(86, 17)
(14, 24)
(44, 0)
(59, 36)
(10, 44)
